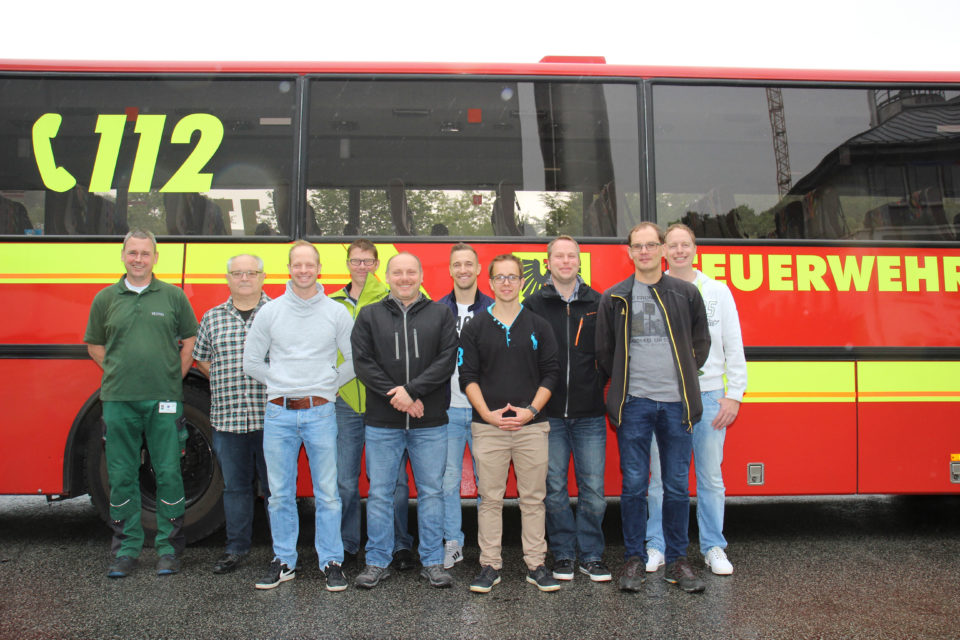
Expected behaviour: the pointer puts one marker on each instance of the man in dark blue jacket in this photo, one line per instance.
(465, 301)
(576, 415)
(404, 352)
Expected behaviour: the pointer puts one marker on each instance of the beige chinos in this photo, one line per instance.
(494, 448)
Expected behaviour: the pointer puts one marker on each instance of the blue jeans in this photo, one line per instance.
(642, 418)
(284, 430)
(350, 436)
(459, 435)
(427, 448)
(586, 438)
(241, 462)
(707, 457)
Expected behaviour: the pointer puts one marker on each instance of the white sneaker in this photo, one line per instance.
(452, 554)
(655, 559)
(716, 559)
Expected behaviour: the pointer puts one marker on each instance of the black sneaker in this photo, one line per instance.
(436, 575)
(634, 574)
(680, 573)
(227, 563)
(371, 576)
(542, 578)
(597, 571)
(168, 564)
(485, 580)
(335, 579)
(278, 572)
(563, 569)
(404, 560)
(121, 567)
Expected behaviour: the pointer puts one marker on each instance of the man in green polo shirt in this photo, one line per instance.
(133, 334)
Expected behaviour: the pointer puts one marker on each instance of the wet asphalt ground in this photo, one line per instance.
(813, 567)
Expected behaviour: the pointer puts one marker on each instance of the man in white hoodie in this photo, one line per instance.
(722, 383)
(292, 348)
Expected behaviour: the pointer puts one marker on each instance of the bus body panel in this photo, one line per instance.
(40, 400)
(852, 341)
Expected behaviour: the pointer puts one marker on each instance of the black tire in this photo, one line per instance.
(202, 480)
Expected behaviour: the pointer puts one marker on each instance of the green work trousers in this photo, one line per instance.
(128, 424)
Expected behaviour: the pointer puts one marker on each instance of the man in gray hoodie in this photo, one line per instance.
(292, 348)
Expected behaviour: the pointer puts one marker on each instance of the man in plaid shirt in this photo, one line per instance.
(236, 403)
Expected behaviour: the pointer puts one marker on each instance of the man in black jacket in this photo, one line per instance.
(576, 415)
(652, 339)
(404, 352)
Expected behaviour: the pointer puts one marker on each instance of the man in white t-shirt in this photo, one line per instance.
(465, 300)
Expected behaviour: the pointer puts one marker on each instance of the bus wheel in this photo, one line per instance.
(202, 480)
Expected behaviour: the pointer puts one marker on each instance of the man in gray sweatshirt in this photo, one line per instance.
(292, 348)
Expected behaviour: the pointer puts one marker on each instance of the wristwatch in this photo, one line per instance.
(532, 409)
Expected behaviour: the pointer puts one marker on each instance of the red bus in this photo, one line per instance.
(828, 201)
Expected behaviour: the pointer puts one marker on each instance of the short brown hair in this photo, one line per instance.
(463, 246)
(645, 225)
(552, 242)
(302, 243)
(364, 245)
(504, 257)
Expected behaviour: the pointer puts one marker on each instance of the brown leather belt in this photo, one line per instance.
(299, 403)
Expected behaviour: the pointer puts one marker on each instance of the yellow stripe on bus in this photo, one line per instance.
(796, 382)
(909, 381)
(78, 278)
(78, 263)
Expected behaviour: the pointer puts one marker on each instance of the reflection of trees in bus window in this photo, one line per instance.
(368, 212)
(472, 158)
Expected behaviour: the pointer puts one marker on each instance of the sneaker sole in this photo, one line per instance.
(371, 585)
(341, 587)
(477, 589)
(562, 576)
(438, 585)
(697, 589)
(607, 577)
(273, 585)
(553, 587)
(636, 589)
(719, 573)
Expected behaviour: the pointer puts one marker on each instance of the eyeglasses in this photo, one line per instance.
(367, 262)
(240, 274)
(500, 279)
(649, 246)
